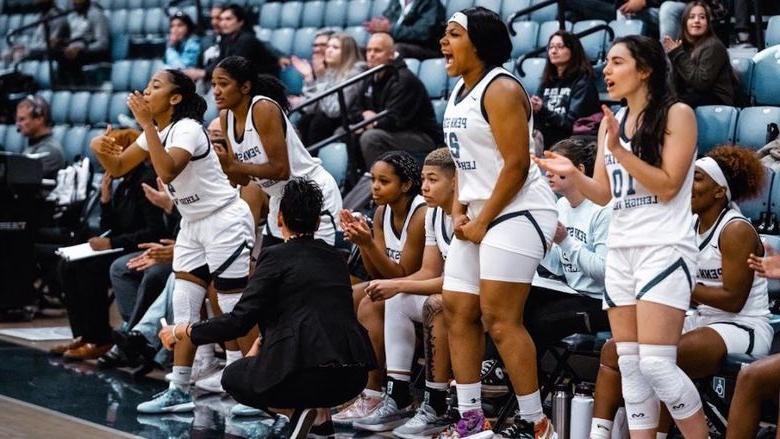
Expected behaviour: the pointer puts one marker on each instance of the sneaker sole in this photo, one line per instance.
(386, 426)
(179, 408)
(425, 434)
(481, 435)
(304, 423)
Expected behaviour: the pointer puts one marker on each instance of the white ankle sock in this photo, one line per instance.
(469, 396)
(530, 407)
(437, 386)
(600, 429)
(373, 393)
(400, 377)
(181, 377)
(661, 435)
(232, 356)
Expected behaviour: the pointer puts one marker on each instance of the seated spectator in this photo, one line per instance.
(644, 10)
(342, 61)
(700, 62)
(568, 90)
(731, 300)
(128, 219)
(33, 121)
(183, 47)
(314, 354)
(410, 124)
(416, 26)
(88, 41)
(209, 48)
(35, 47)
(313, 69)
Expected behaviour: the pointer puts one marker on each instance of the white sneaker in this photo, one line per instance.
(425, 424)
(386, 417)
(211, 383)
(361, 408)
(204, 368)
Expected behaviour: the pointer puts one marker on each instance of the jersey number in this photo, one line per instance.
(171, 189)
(617, 184)
(452, 143)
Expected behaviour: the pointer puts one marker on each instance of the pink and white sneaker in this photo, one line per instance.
(363, 406)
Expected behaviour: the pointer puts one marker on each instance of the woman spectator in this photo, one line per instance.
(183, 47)
(700, 61)
(568, 91)
(342, 61)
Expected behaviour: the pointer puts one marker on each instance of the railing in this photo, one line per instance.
(542, 49)
(523, 12)
(46, 34)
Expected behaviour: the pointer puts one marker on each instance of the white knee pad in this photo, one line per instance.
(399, 332)
(658, 364)
(187, 300)
(642, 408)
(228, 301)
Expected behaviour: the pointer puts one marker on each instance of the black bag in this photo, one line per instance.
(14, 86)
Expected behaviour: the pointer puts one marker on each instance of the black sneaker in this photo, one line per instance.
(133, 344)
(528, 430)
(326, 430)
(493, 379)
(115, 357)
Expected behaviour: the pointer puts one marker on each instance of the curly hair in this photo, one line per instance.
(579, 151)
(405, 167)
(301, 205)
(742, 168)
(442, 158)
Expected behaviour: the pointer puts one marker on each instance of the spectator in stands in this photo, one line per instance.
(35, 47)
(342, 60)
(415, 25)
(239, 39)
(209, 46)
(33, 121)
(410, 123)
(314, 69)
(129, 219)
(88, 42)
(701, 67)
(568, 90)
(644, 10)
(183, 47)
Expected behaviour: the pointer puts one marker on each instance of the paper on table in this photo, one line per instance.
(82, 251)
(552, 284)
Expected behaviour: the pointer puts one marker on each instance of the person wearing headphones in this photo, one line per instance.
(33, 121)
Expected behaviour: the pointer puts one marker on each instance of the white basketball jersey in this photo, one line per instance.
(250, 150)
(710, 274)
(201, 188)
(438, 230)
(639, 217)
(394, 241)
(470, 139)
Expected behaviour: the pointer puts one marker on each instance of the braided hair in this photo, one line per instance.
(301, 205)
(580, 151)
(406, 167)
(192, 105)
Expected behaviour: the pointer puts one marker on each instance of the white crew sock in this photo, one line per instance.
(600, 428)
(469, 396)
(232, 356)
(530, 407)
(181, 377)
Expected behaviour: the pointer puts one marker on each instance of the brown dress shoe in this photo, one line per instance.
(61, 348)
(89, 351)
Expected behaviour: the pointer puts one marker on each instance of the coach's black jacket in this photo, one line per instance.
(300, 296)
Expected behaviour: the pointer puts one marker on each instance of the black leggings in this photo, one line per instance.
(308, 388)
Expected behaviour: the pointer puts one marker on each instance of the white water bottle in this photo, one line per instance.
(581, 412)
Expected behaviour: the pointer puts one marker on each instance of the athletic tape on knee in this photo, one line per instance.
(658, 364)
(187, 300)
(228, 301)
(642, 408)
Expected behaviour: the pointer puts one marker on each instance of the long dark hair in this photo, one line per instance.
(650, 57)
(241, 70)
(578, 64)
(688, 40)
(192, 105)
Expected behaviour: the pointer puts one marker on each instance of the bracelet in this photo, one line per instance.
(173, 330)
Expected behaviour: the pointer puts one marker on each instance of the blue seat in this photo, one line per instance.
(292, 80)
(78, 107)
(155, 21)
(30, 68)
(624, 28)
(3, 24)
(525, 40)
(336, 13)
(359, 33)
(291, 14)
(118, 21)
(135, 4)
(439, 105)
(716, 126)
(313, 13)
(141, 72)
(269, 15)
(765, 87)
(547, 13)
(358, 12)
(29, 19)
(378, 7)
(58, 132)
(118, 4)
(752, 125)
(14, 21)
(413, 65)
(98, 108)
(135, 21)
(593, 43)
(454, 6)
(60, 104)
(335, 160)
(14, 141)
(774, 284)
(120, 46)
(743, 68)
(282, 39)
(533, 68)
(772, 35)
(493, 5)
(45, 94)
(212, 111)
(755, 206)
(434, 76)
(154, 3)
(120, 75)
(548, 28)
(509, 7)
(302, 42)
(117, 106)
(3, 129)
(75, 142)
(263, 33)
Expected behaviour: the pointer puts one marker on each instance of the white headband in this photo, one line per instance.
(461, 19)
(709, 166)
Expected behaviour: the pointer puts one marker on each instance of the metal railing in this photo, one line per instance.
(45, 21)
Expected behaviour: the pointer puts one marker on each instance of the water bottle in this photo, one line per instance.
(581, 412)
(560, 410)
(773, 228)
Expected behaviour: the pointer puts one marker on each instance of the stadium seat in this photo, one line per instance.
(75, 142)
(3, 24)
(493, 5)
(716, 126)
(269, 15)
(78, 108)
(155, 3)
(14, 21)
(135, 21)
(118, 4)
(263, 33)
(743, 68)
(302, 42)
(60, 104)
(131, 4)
(291, 14)
(509, 66)
(155, 22)
(434, 76)
(211, 108)
(533, 68)
(358, 12)
(117, 106)
(3, 129)
(120, 46)
(29, 19)
(752, 125)
(593, 43)
(31, 68)
(773, 31)
(98, 108)
(754, 207)
(525, 40)
(454, 6)
(545, 14)
(413, 65)
(774, 198)
(548, 28)
(292, 80)
(335, 13)
(439, 105)
(141, 69)
(378, 7)
(282, 39)
(14, 141)
(312, 14)
(765, 88)
(509, 7)
(335, 160)
(359, 33)
(58, 132)
(45, 94)
(623, 28)
(118, 21)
